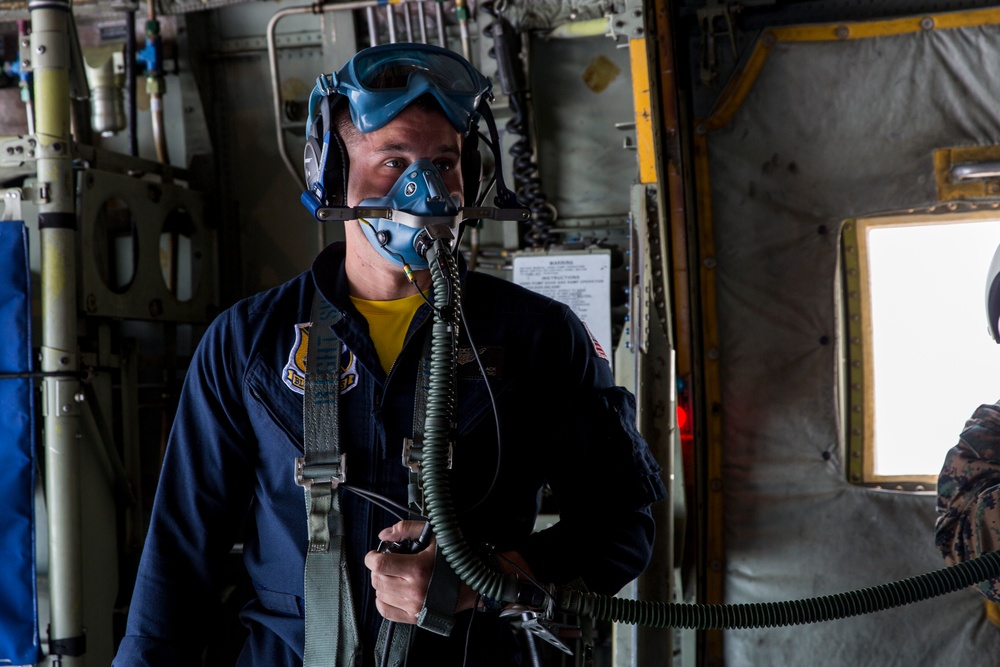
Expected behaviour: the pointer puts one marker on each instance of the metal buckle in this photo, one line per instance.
(533, 623)
(307, 474)
(413, 455)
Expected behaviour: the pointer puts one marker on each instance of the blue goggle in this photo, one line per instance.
(381, 81)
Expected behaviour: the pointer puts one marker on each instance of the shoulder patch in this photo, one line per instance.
(597, 346)
(294, 372)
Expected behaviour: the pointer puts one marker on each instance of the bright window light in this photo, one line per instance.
(933, 359)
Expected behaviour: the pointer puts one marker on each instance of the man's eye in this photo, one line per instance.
(444, 165)
(394, 164)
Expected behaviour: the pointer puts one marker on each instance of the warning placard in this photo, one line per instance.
(581, 280)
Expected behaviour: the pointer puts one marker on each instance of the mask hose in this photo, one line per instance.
(793, 612)
(439, 427)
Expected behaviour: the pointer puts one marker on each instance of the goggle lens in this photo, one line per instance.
(376, 72)
(382, 80)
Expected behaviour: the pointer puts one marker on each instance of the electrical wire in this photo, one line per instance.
(468, 629)
(387, 504)
(496, 416)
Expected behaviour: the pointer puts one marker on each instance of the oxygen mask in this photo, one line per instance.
(420, 209)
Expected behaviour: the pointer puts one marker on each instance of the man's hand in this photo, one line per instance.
(400, 579)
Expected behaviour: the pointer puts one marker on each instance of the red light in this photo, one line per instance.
(682, 417)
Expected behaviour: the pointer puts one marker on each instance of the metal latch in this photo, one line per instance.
(307, 474)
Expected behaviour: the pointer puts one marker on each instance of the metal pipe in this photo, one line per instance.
(439, 15)
(462, 14)
(50, 20)
(967, 171)
(408, 16)
(272, 58)
(423, 24)
(390, 21)
(370, 14)
(130, 84)
(159, 128)
(23, 34)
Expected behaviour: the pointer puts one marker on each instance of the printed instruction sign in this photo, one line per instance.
(581, 280)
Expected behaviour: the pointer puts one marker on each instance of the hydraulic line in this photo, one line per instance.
(471, 568)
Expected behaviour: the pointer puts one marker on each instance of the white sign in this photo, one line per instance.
(581, 280)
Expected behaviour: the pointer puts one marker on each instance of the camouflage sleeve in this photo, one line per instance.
(968, 504)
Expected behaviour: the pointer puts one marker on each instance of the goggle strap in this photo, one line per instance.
(320, 91)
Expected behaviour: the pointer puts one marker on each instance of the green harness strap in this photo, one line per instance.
(331, 632)
(438, 613)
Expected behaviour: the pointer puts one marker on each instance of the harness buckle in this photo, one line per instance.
(413, 454)
(307, 474)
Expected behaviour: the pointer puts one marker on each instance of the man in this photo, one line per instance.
(533, 405)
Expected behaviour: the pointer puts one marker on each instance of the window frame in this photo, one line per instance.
(858, 344)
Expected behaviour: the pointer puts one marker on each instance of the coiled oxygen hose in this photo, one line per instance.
(792, 612)
(438, 427)
(477, 574)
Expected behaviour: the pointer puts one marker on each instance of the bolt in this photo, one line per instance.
(79, 397)
(40, 49)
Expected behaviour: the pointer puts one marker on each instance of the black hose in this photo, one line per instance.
(474, 571)
(439, 427)
(792, 612)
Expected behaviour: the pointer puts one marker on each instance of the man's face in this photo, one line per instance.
(378, 158)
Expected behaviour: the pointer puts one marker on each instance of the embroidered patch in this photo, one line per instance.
(294, 372)
(468, 368)
(597, 346)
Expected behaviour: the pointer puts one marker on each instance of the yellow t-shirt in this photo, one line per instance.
(387, 324)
